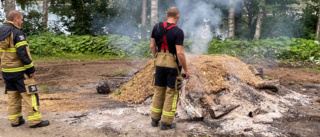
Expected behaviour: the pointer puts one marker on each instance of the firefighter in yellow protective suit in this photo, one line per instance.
(167, 48)
(18, 73)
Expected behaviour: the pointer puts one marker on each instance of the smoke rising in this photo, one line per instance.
(201, 21)
(198, 19)
(126, 21)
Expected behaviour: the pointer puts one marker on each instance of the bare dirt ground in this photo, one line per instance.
(70, 101)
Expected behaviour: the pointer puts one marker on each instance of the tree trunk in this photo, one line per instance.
(144, 13)
(45, 13)
(9, 5)
(154, 12)
(231, 21)
(318, 25)
(249, 14)
(259, 22)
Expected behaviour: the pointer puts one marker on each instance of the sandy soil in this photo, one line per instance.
(70, 101)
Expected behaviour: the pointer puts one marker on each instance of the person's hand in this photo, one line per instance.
(187, 75)
(33, 74)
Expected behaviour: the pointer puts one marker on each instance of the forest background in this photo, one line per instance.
(283, 30)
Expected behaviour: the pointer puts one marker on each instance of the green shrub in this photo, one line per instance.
(303, 49)
(49, 44)
(280, 48)
(277, 48)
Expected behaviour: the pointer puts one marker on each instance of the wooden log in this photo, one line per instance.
(218, 111)
(188, 105)
(272, 85)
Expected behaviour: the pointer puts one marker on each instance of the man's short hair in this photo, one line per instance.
(173, 12)
(13, 14)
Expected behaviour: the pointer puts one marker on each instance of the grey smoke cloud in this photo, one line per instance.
(198, 19)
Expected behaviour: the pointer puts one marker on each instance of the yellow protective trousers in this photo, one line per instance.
(164, 104)
(31, 102)
(167, 76)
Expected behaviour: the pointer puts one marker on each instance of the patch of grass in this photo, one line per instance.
(267, 77)
(73, 57)
(118, 91)
(119, 72)
(310, 69)
(132, 84)
(44, 88)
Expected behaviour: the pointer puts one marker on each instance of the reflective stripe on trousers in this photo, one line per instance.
(15, 116)
(36, 115)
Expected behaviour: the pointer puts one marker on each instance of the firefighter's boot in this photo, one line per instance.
(154, 122)
(21, 121)
(165, 126)
(41, 124)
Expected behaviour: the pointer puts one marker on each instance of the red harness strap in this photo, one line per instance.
(164, 45)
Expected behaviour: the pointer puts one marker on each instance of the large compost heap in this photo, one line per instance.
(229, 95)
(210, 75)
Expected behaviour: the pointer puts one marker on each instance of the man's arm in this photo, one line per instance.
(182, 60)
(153, 47)
(22, 53)
(21, 45)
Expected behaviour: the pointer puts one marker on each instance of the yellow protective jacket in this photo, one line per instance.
(14, 52)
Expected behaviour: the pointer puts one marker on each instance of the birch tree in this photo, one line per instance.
(154, 12)
(9, 5)
(144, 13)
(318, 25)
(231, 29)
(259, 20)
(45, 13)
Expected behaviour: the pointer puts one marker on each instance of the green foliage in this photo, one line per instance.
(32, 24)
(308, 21)
(186, 44)
(283, 48)
(279, 7)
(49, 44)
(303, 49)
(280, 25)
(280, 19)
(83, 16)
(23, 3)
(72, 57)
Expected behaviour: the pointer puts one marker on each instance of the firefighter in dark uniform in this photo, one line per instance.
(167, 49)
(18, 73)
